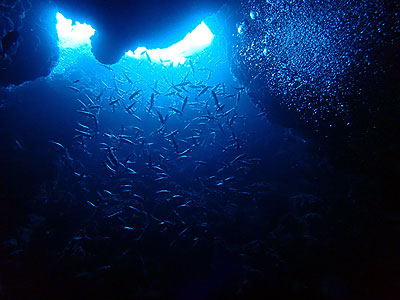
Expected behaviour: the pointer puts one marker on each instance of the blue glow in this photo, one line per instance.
(77, 35)
(194, 42)
(72, 36)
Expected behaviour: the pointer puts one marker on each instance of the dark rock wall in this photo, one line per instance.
(29, 41)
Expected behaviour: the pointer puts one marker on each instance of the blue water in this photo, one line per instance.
(119, 171)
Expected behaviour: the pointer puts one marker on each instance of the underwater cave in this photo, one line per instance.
(202, 149)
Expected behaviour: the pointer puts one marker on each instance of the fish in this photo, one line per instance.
(73, 88)
(131, 171)
(110, 168)
(91, 204)
(170, 94)
(221, 128)
(171, 133)
(183, 231)
(185, 151)
(232, 119)
(113, 158)
(87, 113)
(237, 98)
(184, 103)
(239, 157)
(245, 193)
(177, 89)
(215, 98)
(57, 144)
(151, 101)
(162, 119)
(155, 91)
(183, 157)
(235, 139)
(221, 107)
(184, 205)
(184, 83)
(161, 178)
(126, 140)
(107, 267)
(175, 144)
(148, 57)
(175, 109)
(137, 210)
(191, 65)
(161, 192)
(109, 193)
(114, 101)
(126, 186)
(83, 104)
(130, 106)
(136, 196)
(18, 144)
(106, 66)
(127, 78)
(239, 88)
(135, 94)
(203, 91)
(229, 178)
(254, 160)
(84, 133)
(195, 141)
(114, 214)
(109, 136)
(136, 116)
(99, 95)
(95, 107)
(90, 99)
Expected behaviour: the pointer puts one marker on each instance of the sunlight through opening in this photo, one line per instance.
(77, 35)
(72, 36)
(196, 41)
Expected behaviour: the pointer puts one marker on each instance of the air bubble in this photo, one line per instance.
(265, 51)
(253, 14)
(243, 26)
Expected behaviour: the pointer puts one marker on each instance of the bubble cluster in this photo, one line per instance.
(315, 57)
